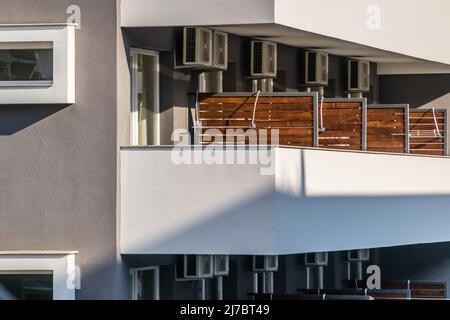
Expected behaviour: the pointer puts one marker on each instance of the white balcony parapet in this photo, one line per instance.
(313, 200)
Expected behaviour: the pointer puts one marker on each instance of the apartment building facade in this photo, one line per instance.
(96, 203)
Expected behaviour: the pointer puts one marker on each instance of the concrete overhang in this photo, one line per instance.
(403, 36)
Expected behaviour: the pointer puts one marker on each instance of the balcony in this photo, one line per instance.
(288, 200)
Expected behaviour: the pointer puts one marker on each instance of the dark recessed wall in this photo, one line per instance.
(416, 90)
(290, 75)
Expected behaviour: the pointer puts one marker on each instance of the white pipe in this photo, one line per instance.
(308, 278)
(254, 108)
(264, 284)
(255, 283)
(220, 288)
(320, 277)
(203, 289)
(321, 114)
(270, 288)
(436, 123)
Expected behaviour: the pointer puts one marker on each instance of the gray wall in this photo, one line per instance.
(417, 90)
(58, 163)
(428, 262)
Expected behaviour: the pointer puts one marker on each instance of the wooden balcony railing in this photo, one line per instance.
(301, 119)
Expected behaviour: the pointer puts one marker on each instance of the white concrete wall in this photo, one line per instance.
(315, 201)
(139, 13)
(416, 28)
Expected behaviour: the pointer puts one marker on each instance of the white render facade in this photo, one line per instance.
(113, 212)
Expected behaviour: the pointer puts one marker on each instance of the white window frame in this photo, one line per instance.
(200, 272)
(135, 281)
(266, 268)
(134, 112)
(61, 265)
(61, 89)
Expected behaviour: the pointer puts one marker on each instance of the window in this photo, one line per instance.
(145, 98)
(26, 64)
(145, 283)
(26, 286)
(37, 64)
(38, 276)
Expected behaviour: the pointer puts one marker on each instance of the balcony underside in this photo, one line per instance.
(308, 200)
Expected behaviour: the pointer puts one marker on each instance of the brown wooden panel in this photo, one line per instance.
(259, 107)
(342, 105)
(291, 118)
(386, 129)
(423, 134)
(427, 152)
(342, 123)
(251, 99)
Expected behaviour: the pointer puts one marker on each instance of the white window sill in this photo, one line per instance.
(25, 84)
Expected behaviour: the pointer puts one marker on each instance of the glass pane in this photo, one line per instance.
(311, 258)
(259, 263)
(272, 262)
(147, 99)
(26, 65)
(221, 263)
(26, 287)
(148, 285)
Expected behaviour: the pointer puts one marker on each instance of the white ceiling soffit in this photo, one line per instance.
(414, 28)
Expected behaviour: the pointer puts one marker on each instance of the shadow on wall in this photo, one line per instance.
(280, 224)
(14, 118)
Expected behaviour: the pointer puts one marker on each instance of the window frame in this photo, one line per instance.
(134, 111)
(134, 272)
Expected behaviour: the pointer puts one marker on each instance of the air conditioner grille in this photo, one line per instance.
(312, 57)
(257, 57)
(191, 37)
(354, 74)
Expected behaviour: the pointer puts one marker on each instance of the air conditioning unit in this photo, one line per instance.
(220, 60)
(263, 59)
(358, 76)
(358, 255)
(197, 47)
(221, 265)
(193, 267)
(265, 263)
(316, 259)
(316, 68)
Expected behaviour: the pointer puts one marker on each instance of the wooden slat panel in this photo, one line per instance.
(261, 100)
(259, 107)
(423, 133)
(291, 118)
(386, 129)
(342, 122)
